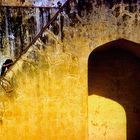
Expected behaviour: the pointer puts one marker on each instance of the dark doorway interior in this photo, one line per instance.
(114, 73)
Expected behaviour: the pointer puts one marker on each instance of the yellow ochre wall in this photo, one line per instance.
(47, 97)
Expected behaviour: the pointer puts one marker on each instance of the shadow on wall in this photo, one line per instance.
(114, 73)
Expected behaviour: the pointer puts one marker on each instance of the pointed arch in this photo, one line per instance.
(114, 73)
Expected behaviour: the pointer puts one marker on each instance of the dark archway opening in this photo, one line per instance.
(114, 73)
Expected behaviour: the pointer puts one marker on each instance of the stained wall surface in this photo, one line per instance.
(44, 95)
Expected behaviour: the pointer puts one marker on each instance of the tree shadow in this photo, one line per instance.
(114, 73)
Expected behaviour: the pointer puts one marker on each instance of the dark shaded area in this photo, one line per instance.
(6, 65)
(114, 73)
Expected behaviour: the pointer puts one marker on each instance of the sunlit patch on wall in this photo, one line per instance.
(106, 119)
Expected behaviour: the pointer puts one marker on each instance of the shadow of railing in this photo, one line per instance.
(6, 83)
(42, 30)
(20, 24)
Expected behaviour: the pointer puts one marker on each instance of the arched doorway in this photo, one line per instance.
(114, 73)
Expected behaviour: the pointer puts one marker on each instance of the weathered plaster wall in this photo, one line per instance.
(47, 94)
